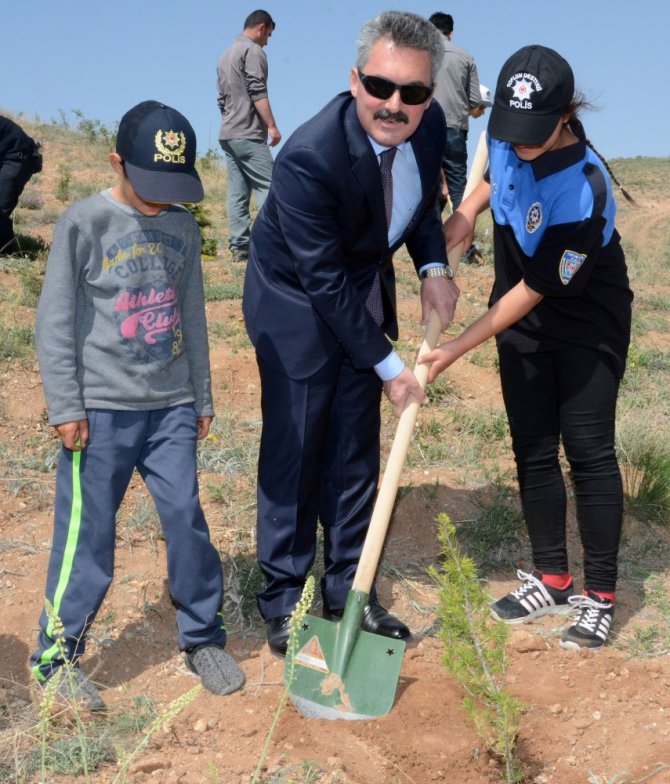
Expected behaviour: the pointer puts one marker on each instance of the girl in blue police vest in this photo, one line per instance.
(561, 309)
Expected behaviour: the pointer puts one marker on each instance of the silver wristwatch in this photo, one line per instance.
(438, 272)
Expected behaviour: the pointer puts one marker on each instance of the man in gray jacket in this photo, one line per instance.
(457, 92)
(248, 126)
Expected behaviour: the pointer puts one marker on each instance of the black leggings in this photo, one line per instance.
(569, 394)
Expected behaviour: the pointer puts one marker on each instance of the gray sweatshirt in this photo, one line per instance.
(121, 319)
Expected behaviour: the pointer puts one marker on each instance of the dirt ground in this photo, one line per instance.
(598, 713)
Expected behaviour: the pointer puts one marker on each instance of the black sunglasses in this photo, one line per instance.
(378, 87)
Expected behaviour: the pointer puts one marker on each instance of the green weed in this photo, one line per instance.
(63, 185)
(231, 448)
(94, 130)
(475, 652)
(441, 391)
(232, 331)
(488, 426)
(15, 342)
(211, 160)
(652, 639)
(33, 248)
(495, 537)
(31, 279)
(645, 468)
(141, 524)
(243, 580)
(150, 730)
(297, 616)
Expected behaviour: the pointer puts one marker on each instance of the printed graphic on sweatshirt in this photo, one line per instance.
(147, 266)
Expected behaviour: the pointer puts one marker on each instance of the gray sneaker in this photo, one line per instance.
(75, 687)
(218, 670)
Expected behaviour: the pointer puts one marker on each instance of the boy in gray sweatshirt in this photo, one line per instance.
(122, 346)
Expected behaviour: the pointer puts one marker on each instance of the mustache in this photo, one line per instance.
(385, 114)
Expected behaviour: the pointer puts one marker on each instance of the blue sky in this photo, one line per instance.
(102, 57)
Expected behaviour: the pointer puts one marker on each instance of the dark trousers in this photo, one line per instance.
(455, 164)
(14, 174)
(90, 486)
(319, 460)
(569, 395)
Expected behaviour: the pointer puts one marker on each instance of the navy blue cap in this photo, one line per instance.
(534, 88)
(158, 147)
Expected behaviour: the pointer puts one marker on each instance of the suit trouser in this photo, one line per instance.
(90, 486)
(319, 460)
(567, 395)
(249, 164)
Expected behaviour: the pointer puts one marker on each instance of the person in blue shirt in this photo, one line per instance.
(561, 312)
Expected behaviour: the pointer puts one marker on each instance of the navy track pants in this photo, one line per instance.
(90, 486)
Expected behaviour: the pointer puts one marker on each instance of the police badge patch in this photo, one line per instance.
(569, 264)
(534, 217)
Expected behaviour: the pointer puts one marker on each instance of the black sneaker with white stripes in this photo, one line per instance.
(532, 600)
(593, 624)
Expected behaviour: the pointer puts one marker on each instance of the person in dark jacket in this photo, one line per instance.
(350, 187)
(20, 158)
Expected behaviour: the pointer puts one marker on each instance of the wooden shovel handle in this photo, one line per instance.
(479, 164)
(381, 515)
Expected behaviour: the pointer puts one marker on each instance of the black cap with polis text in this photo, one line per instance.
(534, 88)
(158, 147)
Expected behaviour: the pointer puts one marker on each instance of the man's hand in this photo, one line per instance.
(399, 389)
(441, 295)
(204, 423)
(274, 136)
(74, 434)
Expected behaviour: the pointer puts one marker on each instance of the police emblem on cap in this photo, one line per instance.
(170, 146)
(523, 85)
(534, 217)
(569, 264)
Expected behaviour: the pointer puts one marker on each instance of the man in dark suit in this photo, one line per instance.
(319, 302)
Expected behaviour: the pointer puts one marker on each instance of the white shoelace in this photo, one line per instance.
(530, 584)
(590, 611)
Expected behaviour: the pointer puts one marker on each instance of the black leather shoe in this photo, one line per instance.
(376, 620)
(278, 630)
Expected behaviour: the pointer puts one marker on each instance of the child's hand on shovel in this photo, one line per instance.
(440, 358)
(400, 388)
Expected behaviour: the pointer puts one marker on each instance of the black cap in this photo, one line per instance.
(534, 89)
(157, 145)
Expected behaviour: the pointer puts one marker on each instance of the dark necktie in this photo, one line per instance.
(374, 301)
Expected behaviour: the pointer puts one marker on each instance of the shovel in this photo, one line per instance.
(341, 671)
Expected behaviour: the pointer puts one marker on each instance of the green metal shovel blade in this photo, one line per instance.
(342, 672)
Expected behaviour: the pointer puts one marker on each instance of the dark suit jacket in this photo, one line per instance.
(321, 236)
